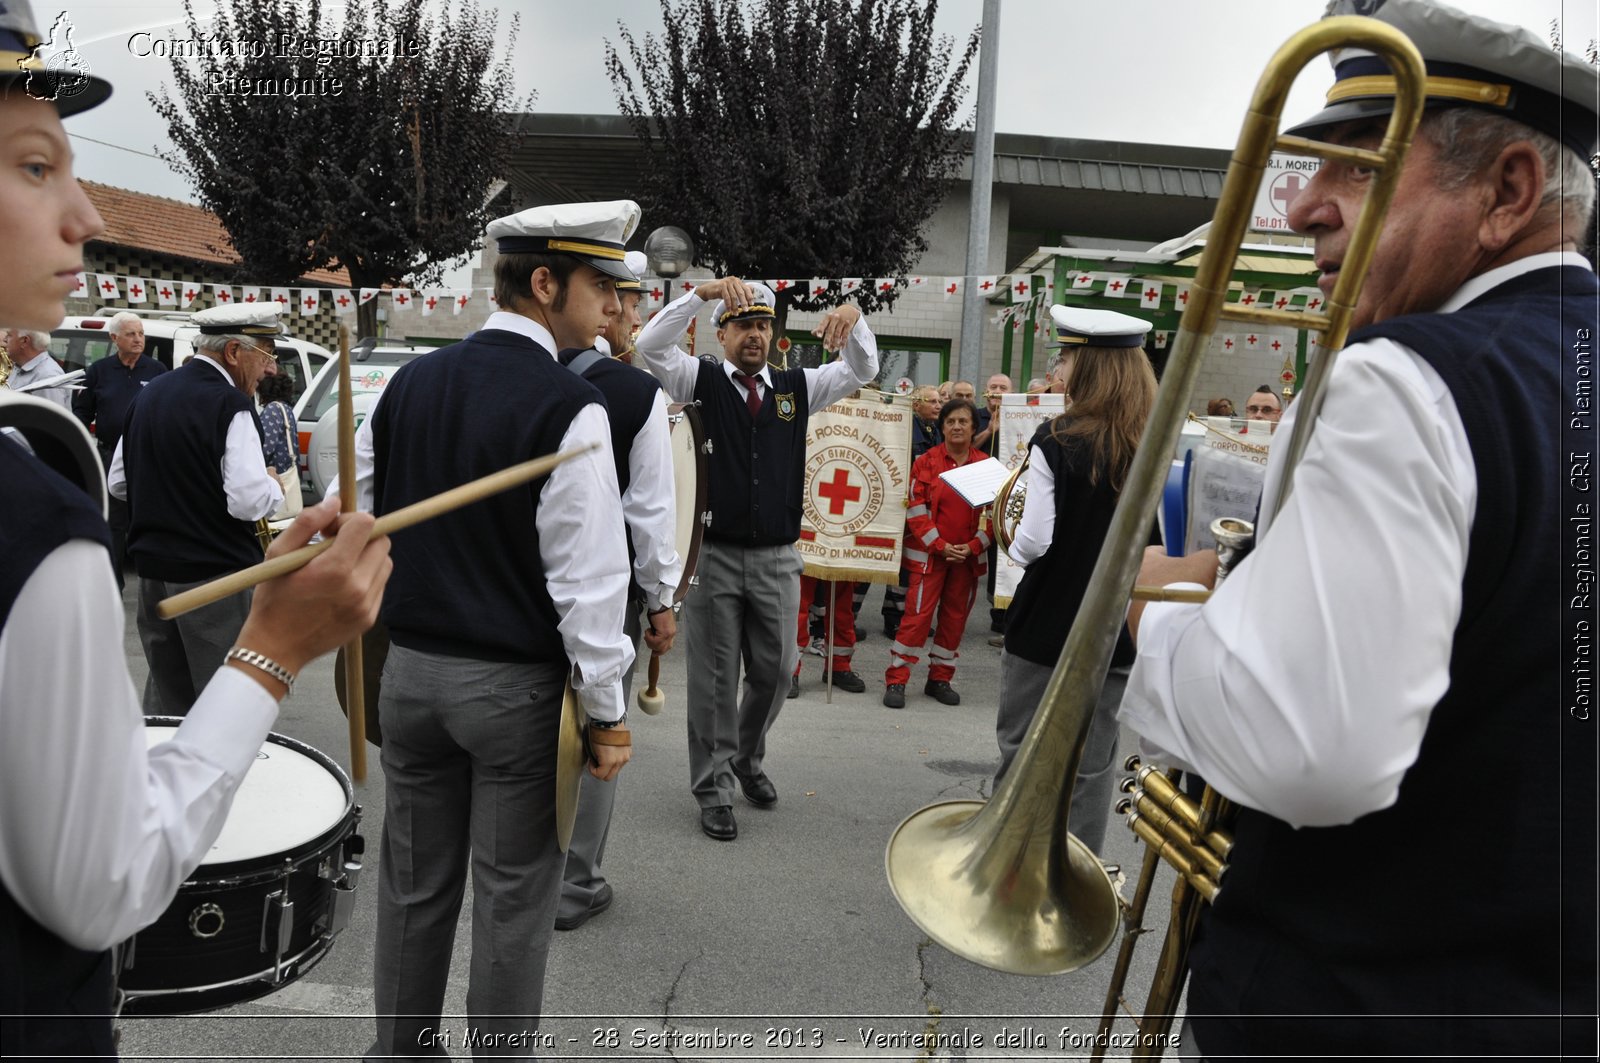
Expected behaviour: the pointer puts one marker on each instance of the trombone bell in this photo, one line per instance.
(1019, 900)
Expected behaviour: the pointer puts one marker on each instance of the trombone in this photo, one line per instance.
(1003, 883)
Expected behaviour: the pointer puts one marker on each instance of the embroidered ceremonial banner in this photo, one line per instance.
(858, 474)
(1020, 417)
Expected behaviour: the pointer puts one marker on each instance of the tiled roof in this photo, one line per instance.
(169, 227)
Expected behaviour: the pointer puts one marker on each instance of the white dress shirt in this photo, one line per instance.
(1037, 528)
(650, 507)
(42, 368)
(676, 368)
(581, 542)
(1304, 686)
(96, 832)
(252, 492)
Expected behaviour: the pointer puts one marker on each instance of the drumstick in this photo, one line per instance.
(437, 506)
(650, 701)
(354, 679)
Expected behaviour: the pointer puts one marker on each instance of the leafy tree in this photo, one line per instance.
(389, 173)
(796, 138)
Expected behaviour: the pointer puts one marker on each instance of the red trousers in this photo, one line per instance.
(843, 619)
(948, 590)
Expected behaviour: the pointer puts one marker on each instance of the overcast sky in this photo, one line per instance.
(1151, 71)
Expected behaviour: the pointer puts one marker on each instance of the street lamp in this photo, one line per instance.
(669, 250)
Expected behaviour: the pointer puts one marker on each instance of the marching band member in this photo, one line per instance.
(1346, 722)
(946, 551)
(1077, 463)
(749, 593)
(490, 610)
(636, 408)
(97, 830)
(191, 468)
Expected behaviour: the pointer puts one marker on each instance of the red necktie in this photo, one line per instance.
(752, 401)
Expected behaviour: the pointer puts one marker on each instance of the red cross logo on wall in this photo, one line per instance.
(1284, 190)
(838, 491)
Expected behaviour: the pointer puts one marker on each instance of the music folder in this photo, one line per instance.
(977, 482)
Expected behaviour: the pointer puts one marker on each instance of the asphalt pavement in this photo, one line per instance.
(784, 944)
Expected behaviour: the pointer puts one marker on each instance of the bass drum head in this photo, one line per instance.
(690, 490)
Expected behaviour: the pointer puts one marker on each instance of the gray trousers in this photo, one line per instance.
(184, 653)
(596, 797)
(744, 611)
(469, 763)
(1022, 685)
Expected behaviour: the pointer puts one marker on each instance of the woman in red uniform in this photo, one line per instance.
(945, 546)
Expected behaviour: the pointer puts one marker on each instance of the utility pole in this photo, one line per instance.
(973, 302)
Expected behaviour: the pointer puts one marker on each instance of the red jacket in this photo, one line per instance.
(938, 515)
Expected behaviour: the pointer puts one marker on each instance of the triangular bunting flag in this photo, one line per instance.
(850, 284)
(367, 295)
(885, 285)
(343, 303)
(819, 286)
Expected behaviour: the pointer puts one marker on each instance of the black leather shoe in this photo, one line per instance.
(758, 789)
(849, 682)
(942, 692)
(894, 696)
(717, 822)
(598, 903)
(794, 687)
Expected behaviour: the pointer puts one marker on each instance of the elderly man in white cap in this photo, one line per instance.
(637, 410)
(748, 600)
(189, 464)
(490, 610)
(1406, 627)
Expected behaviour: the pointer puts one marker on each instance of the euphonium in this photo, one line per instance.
(1008, 503)
(1003, 883)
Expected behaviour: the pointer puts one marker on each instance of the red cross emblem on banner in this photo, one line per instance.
(462, 300)
(189, 293)
(779, 285)
(656, 293)
(986, 285)
(1283, 194)
(432, 302)
(1115, 286)
(402, 298)
(281, 300)
(1251, 340)
(1085, 280)
(1183, 297)
(821, 289)
(137, 290)
(1314, 303)
(951, 290)
(107, 287)
(1283, 301)
(223, 295)
(1248, 299)
(311, 302)
(166, 293)
(78, 287)
(1227, 345)
(1150, 293)
(249, 297)
(886, 286)
(1277, 346)
(343, 300)
(838, 491)
(1021, 289)
(687, 287)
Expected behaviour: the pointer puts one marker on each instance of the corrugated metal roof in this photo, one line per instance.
(1095, 176)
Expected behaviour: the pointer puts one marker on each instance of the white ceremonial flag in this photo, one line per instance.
(166, 294)
(223, 294)
(857, 477)
(655, 291)
(310, 301)
(1150, 295)
(107, 286)
(1117, 285)
(137, 290)
(343, 302)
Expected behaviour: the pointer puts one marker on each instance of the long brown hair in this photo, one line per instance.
(1112, 390)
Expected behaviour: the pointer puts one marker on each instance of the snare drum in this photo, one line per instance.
(691, 489)
(275, 890)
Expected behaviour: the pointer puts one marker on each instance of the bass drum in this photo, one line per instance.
(691, 458)
(276, 889)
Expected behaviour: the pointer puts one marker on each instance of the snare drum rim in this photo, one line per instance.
(263, 868)
(690, 414)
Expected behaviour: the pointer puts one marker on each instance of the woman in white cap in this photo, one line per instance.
(97, 830)
(1077, 463)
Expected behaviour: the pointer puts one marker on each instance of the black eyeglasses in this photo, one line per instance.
(1260, 409)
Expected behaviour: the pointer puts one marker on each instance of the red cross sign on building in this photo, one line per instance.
(838, 491)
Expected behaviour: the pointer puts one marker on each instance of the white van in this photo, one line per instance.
(169, 337)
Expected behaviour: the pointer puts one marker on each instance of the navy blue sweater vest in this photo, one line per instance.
(40, 974)
(179, 525)
(1052, 588)
(1460, 920)
(471, 583)
(757, 466)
